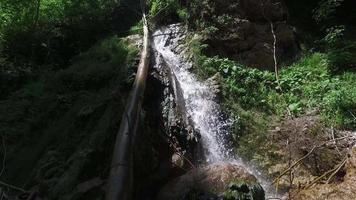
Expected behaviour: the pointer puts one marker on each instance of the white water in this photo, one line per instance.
(199, 102)
(198, 97)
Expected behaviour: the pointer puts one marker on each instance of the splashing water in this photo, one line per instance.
(198, 97)
(200, 103)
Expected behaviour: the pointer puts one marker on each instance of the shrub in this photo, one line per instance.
(109, 59)
(340, 103)
(306, 85)
(247, 86)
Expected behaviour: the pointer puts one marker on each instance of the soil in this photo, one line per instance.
(310, 150)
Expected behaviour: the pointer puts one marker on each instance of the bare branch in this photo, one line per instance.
(4, 159)
(13, 187)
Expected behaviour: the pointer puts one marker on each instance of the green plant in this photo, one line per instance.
(247, 86)
(163, 10)
(183, 13)
(325, 9)
(339, 105)
(306, 85)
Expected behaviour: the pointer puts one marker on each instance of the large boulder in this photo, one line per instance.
(241, 30)
(215, 179)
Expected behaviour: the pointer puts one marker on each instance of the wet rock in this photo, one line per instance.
(212, 178)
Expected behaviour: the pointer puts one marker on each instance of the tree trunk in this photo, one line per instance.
(120, 180)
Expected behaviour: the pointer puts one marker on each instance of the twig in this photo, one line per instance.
(4, 159)
(13, 187)
(290, 171)
(302, 158)
(334, 142)
(352, 115)
(274, 51)
(337, 170)
(334, 170)
(298, 161)
(317, 179)
(2, 194)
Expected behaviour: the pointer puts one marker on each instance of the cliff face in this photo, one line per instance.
(241, 30)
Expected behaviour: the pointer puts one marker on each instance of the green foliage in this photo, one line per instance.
(183, 13)
(325, 9)
(341, 52)
(109, 54)
(137, 28)
(334, 35)
(306, 85)
(340, 103)
(61, 121)
(52, 31)
(309, 85)
(247, 86)
(165, 11)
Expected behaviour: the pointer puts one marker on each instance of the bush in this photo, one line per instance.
(341, 52)
(247, 86)
(340, 103)
(109, 59)
(305, 85)
(167, 11)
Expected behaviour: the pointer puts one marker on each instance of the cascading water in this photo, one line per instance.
(199, 100)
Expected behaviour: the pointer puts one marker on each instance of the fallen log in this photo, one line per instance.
(120, 179)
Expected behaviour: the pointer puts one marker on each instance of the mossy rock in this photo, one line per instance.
(240, 190)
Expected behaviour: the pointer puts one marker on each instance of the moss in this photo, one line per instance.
(239, 190)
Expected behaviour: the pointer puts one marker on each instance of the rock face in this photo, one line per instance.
(241, 30)
(212, 178)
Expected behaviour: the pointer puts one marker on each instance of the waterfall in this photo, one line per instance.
(200, 106)
(199, 100)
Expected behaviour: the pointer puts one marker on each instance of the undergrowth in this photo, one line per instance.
(307, 85)
(60, 122)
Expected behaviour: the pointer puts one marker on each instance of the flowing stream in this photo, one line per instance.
(199, 100)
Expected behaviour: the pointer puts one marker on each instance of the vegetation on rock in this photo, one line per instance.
(66, 71)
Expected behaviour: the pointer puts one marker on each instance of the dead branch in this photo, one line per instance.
(4, 159)
(12, 187)
(274, 51)
(308, 154)
(352, 115)
(334, 170)
(292, 166)
(337, 170)
(334, 142)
